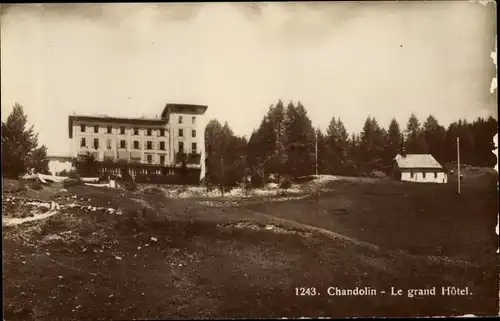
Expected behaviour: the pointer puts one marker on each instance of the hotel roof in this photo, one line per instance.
(108, 119)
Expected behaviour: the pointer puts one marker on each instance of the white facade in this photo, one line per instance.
(424, 177)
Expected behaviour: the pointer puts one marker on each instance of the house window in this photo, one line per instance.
(122, 130)
(82, 128)
(180, 119)
(435, 175)
(123, 144)
(193, 133)
(136, 131)
(109, 143)
(149, 145)
(162, 159)
(411, 174)
(181, 147)
(162, 145)
(162, 132)
(109, 129)
(181, 132)
(423, 174)
(96, 129)
(83, 142)
(149, 158)
(136, 144)
(149, 131)
(193, 120)
(96, 143)
(193, 148)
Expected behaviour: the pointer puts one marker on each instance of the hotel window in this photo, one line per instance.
(136, 144)
(180, 119)
(193, 133)
(193, 148)
(181, 147)
(193, 119)
(122, 130)
(109, 130)
(162, 145)
(162, 132)
(149, 158)
(149, 145)
(136, 131)
(181, 132)
(82, 128)
(96, 143)
(109, 143)
(123, 144)
(162, 159)
(96, 129)
(149, 132)
(83, 143)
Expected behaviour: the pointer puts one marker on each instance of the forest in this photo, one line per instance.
(284, 145)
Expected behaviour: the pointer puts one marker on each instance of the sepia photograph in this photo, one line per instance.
(224, 160)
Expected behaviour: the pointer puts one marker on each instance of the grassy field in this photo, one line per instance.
(179, 258)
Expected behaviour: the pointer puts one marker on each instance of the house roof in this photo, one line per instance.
(424, 161)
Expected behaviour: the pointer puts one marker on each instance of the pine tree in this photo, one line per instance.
(435, 136)
(393, 141)
(19, 145)
(300, 141)
(415, 138)
(337, 143)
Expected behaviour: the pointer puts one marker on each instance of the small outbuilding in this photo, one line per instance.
(419, 168)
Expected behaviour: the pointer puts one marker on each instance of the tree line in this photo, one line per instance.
(285, 145)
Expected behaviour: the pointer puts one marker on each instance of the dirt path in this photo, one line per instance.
(36, 217)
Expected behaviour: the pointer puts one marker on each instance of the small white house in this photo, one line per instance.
(59, 163)
(419, 168)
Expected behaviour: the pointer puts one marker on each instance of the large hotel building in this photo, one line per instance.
(144, 145)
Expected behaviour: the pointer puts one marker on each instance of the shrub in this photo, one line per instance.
(286, 182)
(36, 185)
(378, 174)
(257, 180)
(104, 178)
(129, 185)
(72, 182)
(73, 174)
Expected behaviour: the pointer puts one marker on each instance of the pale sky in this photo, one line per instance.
(348, 60)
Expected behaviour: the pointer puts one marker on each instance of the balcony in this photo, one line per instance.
(191, 158)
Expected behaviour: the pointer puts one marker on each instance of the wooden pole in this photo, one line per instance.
(316, 152)
(222, 176)
(458, 164)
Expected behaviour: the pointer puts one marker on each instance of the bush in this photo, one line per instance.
(72, 182)
(104, 178)
(129, 185)
(378, 174)
(13, 186)
(286, 182)
(73, 174)
(36, 185)
(257, 180)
